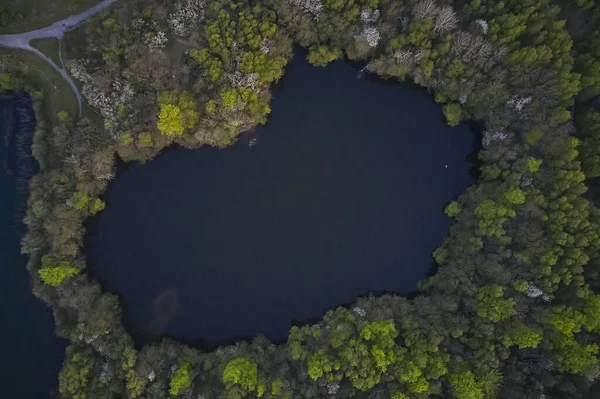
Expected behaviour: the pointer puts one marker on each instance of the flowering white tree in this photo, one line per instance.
(369, 33)
(156, 41)
(107, 102)
(445, 20)
(186, 16)
(472, 48)
(519, 102)
(489, 137)
(238, 79)
(483, 25)
(425, 8)
(313, 7)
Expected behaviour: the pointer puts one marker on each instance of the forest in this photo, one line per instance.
(513, 310)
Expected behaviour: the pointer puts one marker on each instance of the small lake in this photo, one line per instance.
(343, 195)
(31, 354)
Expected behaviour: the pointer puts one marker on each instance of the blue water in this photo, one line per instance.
(31, 355)
(343, 195)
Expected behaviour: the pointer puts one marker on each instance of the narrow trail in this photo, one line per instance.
(57, 30)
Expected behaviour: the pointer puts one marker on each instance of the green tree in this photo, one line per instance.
(465, 386)
(453, 209)
(55, 272)
(243, 372)
(80, 199)
(97, 206)
(322, 55)
(515, 196)
(453, 113)
(181, 379)
(491, 304)
(521, 335)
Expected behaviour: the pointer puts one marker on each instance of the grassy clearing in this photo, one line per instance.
(58, 95)
(35, 14)
(50, 47)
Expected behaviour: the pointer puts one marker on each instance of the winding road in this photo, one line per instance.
(57, 30)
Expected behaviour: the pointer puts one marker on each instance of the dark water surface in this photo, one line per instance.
(343, 195)
(30, 354)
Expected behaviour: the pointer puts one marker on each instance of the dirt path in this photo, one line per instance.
(57, 30)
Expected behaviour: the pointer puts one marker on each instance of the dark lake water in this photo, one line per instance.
(31, 355)
(343, 195)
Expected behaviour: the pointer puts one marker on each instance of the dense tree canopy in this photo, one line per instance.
(513, 310)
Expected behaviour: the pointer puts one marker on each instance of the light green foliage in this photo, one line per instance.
(211, 106)
(169, 120)
(181, 379)
(243, 372)
(464, 386)
(490, 383)
(515, 196)
(126, 138)
(453, 113)
(177, 113)
(571, 356)
(567, 320)
(276, 387)
(453, 209)
(96, 206)
(399, 395)
(412, 376)
(521, 335)
(591, 313)
(260, 390)
(318, 364)
(322, 55)
(145, 139)
(229, 97)
(135, 385)
(491, 304)
(491, 217)
(533, 164)
(521, 285)
(212, 65)
(80, 199)
(55, 272)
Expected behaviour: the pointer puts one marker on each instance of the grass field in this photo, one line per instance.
(36, 14)
(50, 47)
(58, 95)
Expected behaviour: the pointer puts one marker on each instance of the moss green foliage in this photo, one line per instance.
(523, 336)
(516, 288)
(181, 380)
(533, 164)
(453, 113)
(80, 200)
(515, 196)
(74, 377)
(491, 304)
(491, 216)
(453, 209)
(322, 55)
(145, 139)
